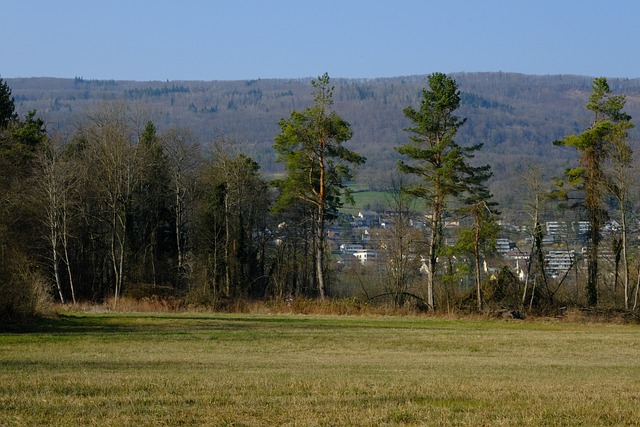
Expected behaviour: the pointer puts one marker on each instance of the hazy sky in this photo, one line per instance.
(249, 39)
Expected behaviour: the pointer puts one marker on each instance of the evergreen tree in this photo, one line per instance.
(440, 164)
(234, 206)
(152, 216)
(7, 105)
(20, 141)
(310, 144)
(594, 146)
(480, 238)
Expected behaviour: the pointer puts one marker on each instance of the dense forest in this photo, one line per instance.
(176, 190)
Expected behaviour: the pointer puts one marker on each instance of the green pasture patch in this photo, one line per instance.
(111, 369)
(365, 199)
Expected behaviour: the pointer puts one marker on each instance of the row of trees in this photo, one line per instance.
(599, 188)
(117, 207)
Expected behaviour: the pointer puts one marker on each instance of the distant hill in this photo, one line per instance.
(515, 116)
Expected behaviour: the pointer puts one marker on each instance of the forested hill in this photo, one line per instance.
(515, 116)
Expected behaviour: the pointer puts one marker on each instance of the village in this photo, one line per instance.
(564, 243)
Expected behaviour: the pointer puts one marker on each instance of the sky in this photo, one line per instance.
(250, 39)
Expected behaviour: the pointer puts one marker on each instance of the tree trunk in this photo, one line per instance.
(476, 254)
(322, 200)
(533, 291)
(592, 263)
(625, 261)
(178, 212)
(65, 244)
(56, 264)
(114, 259)
(121, 258)
(319, 253)
(227, 246)
(635, 298)
(434, 244)
(592, 279)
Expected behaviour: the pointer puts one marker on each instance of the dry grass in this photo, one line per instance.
(299, 305)
(333, 306)
(112, 369)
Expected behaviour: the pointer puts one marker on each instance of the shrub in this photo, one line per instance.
(24, 293)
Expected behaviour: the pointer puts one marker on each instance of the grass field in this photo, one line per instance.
(365, 199)
(223, 370)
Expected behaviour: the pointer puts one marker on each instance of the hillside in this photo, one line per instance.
(515, 116)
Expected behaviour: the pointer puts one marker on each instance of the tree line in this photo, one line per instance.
(118, 208)
(513, 115)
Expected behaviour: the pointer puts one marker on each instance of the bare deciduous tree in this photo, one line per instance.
(113, 158)
(401, 245)
(55, 188)
(183, 156)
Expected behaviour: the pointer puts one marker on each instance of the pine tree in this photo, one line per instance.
(594, 146)
(310, 144)
(7, 105)
(440, 164)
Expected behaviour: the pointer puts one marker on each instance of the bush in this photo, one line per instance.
(24, 293)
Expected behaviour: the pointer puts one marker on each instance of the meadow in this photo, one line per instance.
(366, 199)
(114, 369)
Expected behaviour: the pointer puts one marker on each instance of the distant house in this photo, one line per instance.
(517, 254)
(359, 223)
(611, 226)
(365, 255)
(582, 228)
(503, 246)
(559, 262)
(369, 218)
(417, 223)
(349, 248)
(334, 232)
(556, 228)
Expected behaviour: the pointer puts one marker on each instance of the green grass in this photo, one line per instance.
(365, 199)
(184, 369)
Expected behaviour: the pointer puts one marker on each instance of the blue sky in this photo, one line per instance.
(248, 39)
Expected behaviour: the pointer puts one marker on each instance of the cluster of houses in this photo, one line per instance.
(360, 245)
(564, 242)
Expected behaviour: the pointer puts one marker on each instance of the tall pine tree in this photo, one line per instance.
(440, 164)
(310, 144)
(594, 146)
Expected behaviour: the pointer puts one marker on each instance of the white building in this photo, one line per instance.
(350, 248)
(365, 255)
(556, 228)
(559, 262)
(503, 246)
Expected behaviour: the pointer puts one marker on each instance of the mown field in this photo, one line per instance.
(365, 199)
(107, 369)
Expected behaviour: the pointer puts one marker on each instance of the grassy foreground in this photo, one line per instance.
(179, 369)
